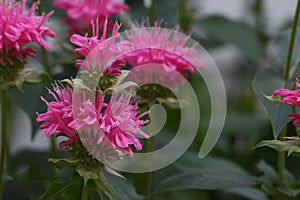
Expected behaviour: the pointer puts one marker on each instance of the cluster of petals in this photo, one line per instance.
(168, 52)
(98, 51)
(18, 28)
(78, 114)
(290, 97)
(81, 12)
(59, 115)
(117, 121)
(161, 46)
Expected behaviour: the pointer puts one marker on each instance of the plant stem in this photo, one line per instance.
(281, 155)
(151, 148)
(292, 43)
(151, 12)
(85, 192)
(3, 139)
(46, 64)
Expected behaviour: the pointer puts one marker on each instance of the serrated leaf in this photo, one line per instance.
(86, 174)
(55, 189)
(280, 146)
(241, 35)
(64, 162)
(208, 173)
(265, 83)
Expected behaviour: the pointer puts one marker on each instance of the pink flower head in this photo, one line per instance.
(290, 97)
(18, 28)
(98, 51)
(59, 115)
(81, 12)
(115, 122)
(104, 128)
(160, 46)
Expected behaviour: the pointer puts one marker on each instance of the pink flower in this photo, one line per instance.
(102, 127)
(59, 115)
(18, 28)
(121, 123)
(290, 97)
(116, 122)
(81, 12)
(160, 46)
(98, 51)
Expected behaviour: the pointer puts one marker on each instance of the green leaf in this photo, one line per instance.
(248, 193)
(280, 146)
(124, 189)
(265, 83)
(103, 186)
(30, 101)
(28, 75)
(281, 44)
(238, 34)
(87, 174)
(269, 174)
(55, 189)
(207, 173)
(64, 162)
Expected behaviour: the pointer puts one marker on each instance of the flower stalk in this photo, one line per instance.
(3, 139)
(281, 155)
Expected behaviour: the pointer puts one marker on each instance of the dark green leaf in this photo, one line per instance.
(248, 193)
(63, 162)
(264, 84)
(30, 101)
(124, 189)
(206, 173)
(238, 34)
(269, 174)
(55, 189)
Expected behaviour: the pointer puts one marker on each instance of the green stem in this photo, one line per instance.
(85, 192)
(281, 155)
(46, 64)
(53, 155)
(151, 148)
(281, 160)
(292, 43)
(3, 138)
(151, 12)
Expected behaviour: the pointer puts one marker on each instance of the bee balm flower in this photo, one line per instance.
(17, 29)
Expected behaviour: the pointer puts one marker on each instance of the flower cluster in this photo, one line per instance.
(290, 97)
(81, 12)
(95, 121)
(17, 29)
(108, 122)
